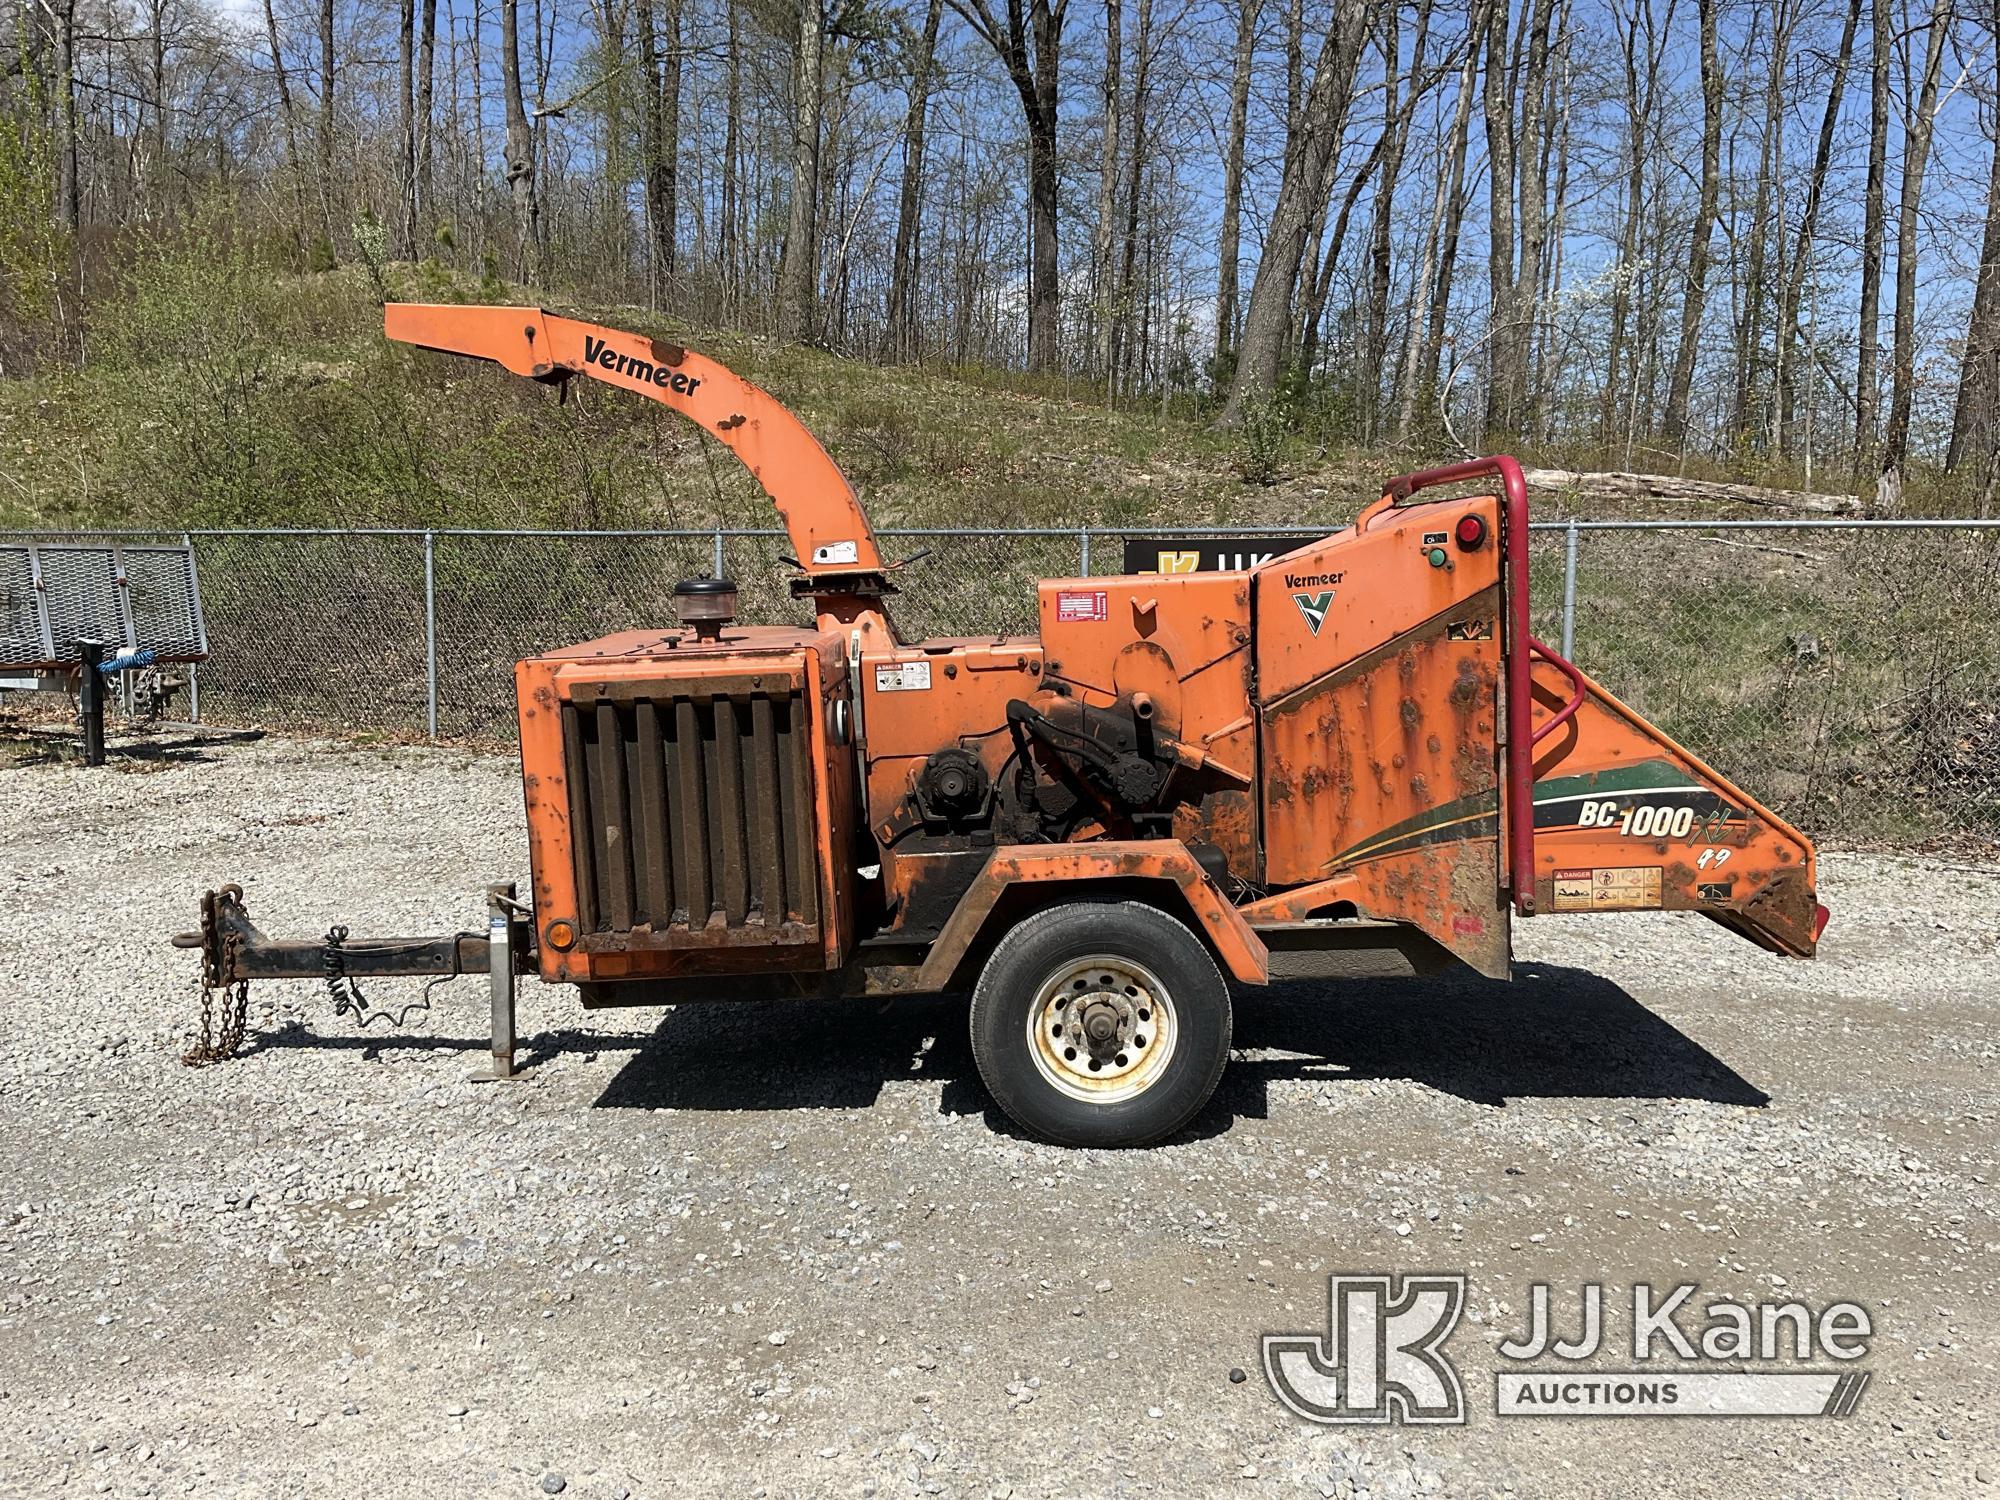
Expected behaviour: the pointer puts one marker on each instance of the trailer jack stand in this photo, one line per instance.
(504, 930)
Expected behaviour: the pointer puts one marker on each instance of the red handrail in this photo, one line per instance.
(1578, 692)
(1519, 647)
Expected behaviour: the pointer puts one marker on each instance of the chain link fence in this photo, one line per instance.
(1846, 672)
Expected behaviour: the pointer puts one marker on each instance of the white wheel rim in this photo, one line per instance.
(1102, 1029)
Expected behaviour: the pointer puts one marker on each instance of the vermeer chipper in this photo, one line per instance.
(1357, 748)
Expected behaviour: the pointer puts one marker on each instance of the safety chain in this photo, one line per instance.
(346, 994)
(213, 1048)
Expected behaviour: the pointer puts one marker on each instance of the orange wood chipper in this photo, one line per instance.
(1353, 757)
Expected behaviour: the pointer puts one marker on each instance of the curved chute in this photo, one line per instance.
(829, 531)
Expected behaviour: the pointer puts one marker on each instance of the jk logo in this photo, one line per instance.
(1179, 562)
(1314, 607)
(1380, 1359)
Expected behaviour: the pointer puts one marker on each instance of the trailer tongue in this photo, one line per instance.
(1354, 747)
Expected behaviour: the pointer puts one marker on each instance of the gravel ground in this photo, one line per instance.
(787, 1249)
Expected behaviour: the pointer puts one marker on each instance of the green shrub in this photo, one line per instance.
(1261, 442)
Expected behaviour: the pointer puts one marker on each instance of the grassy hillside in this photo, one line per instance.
(213, 391)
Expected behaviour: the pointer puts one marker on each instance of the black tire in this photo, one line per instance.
(1090, 969)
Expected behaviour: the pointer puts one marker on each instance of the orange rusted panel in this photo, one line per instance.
(1053, 866)
(1380, 683)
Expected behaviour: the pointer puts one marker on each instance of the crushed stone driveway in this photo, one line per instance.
(788, 1249)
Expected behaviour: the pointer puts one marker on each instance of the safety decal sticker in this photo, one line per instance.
(903, 677)
(836, 553)
(1469, 630)
(1082, 604)
(1713, 890)
(1314, 607)
(1622, 888)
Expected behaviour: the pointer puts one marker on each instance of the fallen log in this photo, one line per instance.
(1674, 490)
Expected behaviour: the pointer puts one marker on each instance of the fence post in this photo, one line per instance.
(430, 635)
(1083, 551)
(718, 570)
(1569, 591)
(194, 668)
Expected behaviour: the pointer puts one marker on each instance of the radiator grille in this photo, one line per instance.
(692, 817)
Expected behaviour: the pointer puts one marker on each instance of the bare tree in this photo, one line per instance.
(327, 68)
(1431, 292)
(798, 273)
(902, 308)
(520, 149)
(1975, 421)
(1130, 296)
(1322, 117)
(1867, 394)
(1918, 126)
(660, 138)
(1029, 46)
(1229, 248)
(69, 179)
(1789, 330)
(1695, 297)
(1105, 233)
(404, 219)
(423, 210)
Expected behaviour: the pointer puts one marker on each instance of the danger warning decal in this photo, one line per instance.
(1082, 604)
(1625, 888)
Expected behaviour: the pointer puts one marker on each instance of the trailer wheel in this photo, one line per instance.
(1100, 1024)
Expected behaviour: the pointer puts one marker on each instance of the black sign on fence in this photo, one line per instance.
(1184, 554)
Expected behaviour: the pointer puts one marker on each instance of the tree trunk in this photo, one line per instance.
(289, 115)
(1917, 130)
(404, 219)
(424, 201)
(1975, 420)
(1789, 330)
(326, 71)
(1320, 290)
(1323, 116)
(902, 339)
(1419, 363)
(69, 180)
(659, 140)
(1750, 327)
(1523, 313)
(1498, 98)
(1675, 425)
(1230, 249)
(1030, 48)
(1867, 399)
(156, 38)
(1395, 136)
(1106, 309)
(797, 271)
(520, 149)
(732, 127)
(1129, 297)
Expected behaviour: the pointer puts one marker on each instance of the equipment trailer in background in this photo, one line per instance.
(1357, 747)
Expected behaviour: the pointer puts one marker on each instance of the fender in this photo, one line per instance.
(1052, 866)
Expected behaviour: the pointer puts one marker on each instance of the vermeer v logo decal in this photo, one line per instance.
(1314, 607)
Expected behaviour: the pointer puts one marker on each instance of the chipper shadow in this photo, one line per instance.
(1554, 1033)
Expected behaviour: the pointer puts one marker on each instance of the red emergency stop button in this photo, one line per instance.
(1471, 533)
